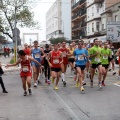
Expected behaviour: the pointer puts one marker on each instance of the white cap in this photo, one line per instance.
(91, 41)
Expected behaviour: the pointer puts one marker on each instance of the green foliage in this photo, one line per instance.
(12, 61)
(24, 15)
(57, 40)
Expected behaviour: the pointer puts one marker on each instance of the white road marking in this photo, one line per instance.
(116, 84)
(75, 117)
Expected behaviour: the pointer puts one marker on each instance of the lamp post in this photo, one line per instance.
(62, 25)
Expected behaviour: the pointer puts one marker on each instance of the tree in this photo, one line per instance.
(21, 9)
(57, 40)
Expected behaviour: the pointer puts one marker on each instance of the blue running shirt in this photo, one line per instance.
(80, 60)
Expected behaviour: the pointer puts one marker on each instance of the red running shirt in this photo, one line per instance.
(65, 57)
(25, 68)
(27, 51)
(55, 59)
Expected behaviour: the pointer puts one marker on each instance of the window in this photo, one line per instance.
(92, 11)
(116, 18)
(103, 26)
(97, 9)
(92, 27)
(97, 26)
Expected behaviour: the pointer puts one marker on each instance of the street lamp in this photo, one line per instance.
(62, 24)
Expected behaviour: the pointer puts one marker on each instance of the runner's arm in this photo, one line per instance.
(14, 64)
(118, 52)
(42, 53)
(32, 59)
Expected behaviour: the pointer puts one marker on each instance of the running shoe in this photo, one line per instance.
(55, 88)
(103, 84)
(82, 88)
(114, 73)
(109, 70)
(4, 91)
(35, 84)
(39, 82)
(99, 86)
(48, 81)
(30, 91)
(71, 76)
(25, 93)
(64, 83)
(77, 84)
(91, 84)
(45, 81)
(84, 83)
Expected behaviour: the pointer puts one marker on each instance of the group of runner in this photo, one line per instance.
(54, 60)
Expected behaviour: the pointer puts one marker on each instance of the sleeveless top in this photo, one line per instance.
(55, 59)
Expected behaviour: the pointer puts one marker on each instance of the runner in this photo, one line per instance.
(1, 80)
(36, 53)
(111, 60)
(80, 62)
(25, 73)
(95, 54)
(105, 54)
(46, 64)
(118, 54)
(55, 59)
(64, 64)
(71, 59)
(26, 49)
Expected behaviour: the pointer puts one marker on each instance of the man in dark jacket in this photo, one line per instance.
(1, 81)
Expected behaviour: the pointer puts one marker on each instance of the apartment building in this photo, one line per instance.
(78, 22)
(112, 13)
(58, 20)
(96, 16)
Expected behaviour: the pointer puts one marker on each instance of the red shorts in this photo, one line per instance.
(119, 60)
(25, 74)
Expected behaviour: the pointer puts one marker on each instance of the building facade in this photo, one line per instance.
(58, 20)
(97, 17)
(78, 22)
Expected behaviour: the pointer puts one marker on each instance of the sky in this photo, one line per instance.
(40, 15)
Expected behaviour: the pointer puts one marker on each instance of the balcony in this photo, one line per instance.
(78, 5)
(75, 37)
(79, 14)
(75, 27)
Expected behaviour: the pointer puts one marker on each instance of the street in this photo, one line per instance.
(68, 103)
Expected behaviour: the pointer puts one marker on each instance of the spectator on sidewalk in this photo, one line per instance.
(1, 80)
(5, 51)
(8, 51)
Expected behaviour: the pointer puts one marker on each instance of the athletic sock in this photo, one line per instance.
(63, 76)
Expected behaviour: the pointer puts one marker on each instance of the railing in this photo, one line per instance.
(79, 13)
(78, 3)
(75, 27)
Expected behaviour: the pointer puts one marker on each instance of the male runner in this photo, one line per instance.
(95, 54)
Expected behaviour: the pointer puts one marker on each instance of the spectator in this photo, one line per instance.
(1, 81)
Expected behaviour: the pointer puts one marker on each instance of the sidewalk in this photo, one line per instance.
(5, 61)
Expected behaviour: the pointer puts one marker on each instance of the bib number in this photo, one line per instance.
(37, 56)
(80, 57)
(97, 59)
(105, 57)
(56, 61)
(25, 69)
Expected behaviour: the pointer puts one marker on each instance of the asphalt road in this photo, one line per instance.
(68, 103)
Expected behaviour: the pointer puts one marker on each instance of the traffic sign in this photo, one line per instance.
(113, 31)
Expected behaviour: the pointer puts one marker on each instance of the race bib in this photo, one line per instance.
(97, 59)
(72, 56)
(64, 54)
(105, 57)
(25, 69)
(37, 56)
(56, 61)
(80, 57)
